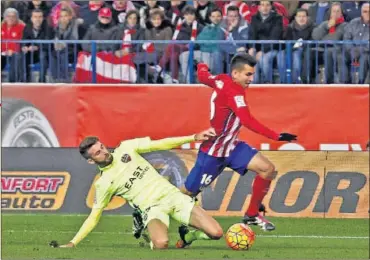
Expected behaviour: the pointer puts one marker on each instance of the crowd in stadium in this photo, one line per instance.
(190, 20)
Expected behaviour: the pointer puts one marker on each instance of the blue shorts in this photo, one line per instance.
(207, 167)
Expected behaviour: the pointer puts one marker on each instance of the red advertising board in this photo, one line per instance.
(320, 116)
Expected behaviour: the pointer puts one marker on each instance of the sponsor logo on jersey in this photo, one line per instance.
(33, 190)
(137, 175)
(219, 84)
(126, 158)
(239, 101)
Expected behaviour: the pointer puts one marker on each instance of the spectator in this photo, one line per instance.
(333, 29)
(132, 31)
(266, 25)
(185, 30)
(243, 9)
(20, 6)
(203, 11)
(209, 53)
(145, 11)
(276, 6)
(68, 28)
(36, 4)
(319, 11)
(173, 13)
(120, 9)
(159, 29)
(352, 9)
(356, 30)
(236, 30)
(299, 30)
(129, 31)
(33, 52)
(90, 10)
(55, 12)
(11, 29)
(103, 29)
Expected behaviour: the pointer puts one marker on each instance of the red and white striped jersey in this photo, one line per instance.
(229, 111)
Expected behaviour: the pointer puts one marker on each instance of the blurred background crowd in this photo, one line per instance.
(314, 42)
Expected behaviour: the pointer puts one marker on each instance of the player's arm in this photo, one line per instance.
(239, 106)
(204, 76)
(89, 224)
(173, 142)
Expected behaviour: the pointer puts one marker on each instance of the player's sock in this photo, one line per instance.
(193, 235)
(196, 201)
(260, 189)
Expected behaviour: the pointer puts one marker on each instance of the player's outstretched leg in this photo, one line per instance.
(207, 228)
(266, 173)
(158, 234)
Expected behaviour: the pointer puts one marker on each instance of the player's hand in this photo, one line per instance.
(69, 245)
(55, 244)
(205, 135)
(287, 137)
(197, 65)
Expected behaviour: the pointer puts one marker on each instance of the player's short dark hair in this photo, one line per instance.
(86, 144)
(215, 9)
(241, 59)
(232, 8)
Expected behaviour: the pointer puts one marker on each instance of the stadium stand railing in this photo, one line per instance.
(288, 62)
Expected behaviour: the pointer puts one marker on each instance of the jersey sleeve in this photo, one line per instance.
(205, 77)
(89, 224)
(238, 105)
(138, 144)
(102, 197)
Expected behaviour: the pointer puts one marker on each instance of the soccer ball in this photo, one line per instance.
(240, 237)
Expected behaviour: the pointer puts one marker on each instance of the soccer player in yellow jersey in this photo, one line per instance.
(127, 174)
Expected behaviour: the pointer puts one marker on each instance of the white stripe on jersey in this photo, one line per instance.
(229, 136)
(213, 147)
(231, 145)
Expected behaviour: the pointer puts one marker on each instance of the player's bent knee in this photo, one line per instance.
(160, 243)
(268, 171)
(216, 233)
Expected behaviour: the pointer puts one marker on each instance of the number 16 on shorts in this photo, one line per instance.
(206, 180)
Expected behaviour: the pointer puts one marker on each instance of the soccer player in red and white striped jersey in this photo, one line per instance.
(229, 111)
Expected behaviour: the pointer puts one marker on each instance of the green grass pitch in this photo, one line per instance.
(27, 237)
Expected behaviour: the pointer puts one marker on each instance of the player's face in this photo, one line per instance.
(99, 154)
(245, 76)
